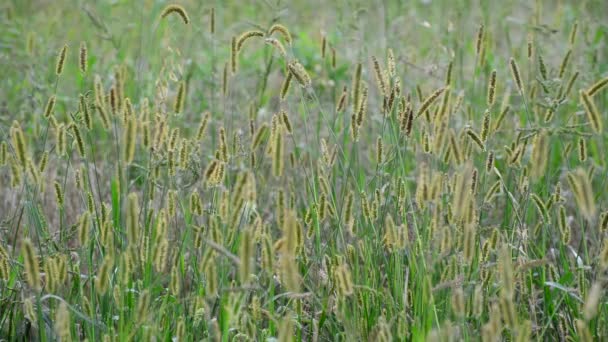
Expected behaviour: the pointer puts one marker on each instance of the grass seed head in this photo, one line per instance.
(342, 100)
(448, 73)
(246, 252)
(129, 141)
(246, 36)
(82, 58)
(479, 40)
(378, 72)
(19, 145)
(50, 106)
(603, 262)
(516, 75)
(61, 60)
(282, 30)
(62, 322)
(300, 74)
(84, 228)
(582, 149)
(277, 45)
(132, 218)
(32, 269)
(592, 112)
(180, 98)
(564, 66)
(492, 89)
(286, 85)
(177, 9)
(277, 154)
(102, 281)
(58, 194)
(573, 32)
(597, 86)
(356, 87)
(542, 67)
(426, 104)
(212, 20)
(234, 53)
(530, 46)
(603, 222)
(79, 141)
(3, 153)
(581, 187)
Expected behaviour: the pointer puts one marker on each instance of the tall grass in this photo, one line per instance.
(333, 185)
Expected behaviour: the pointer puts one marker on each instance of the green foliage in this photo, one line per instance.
(378, 222)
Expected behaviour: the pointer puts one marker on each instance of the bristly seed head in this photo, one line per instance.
(479, 41)
(492, 89)
(32, 270)
(177, 9)
(282, 30)
(245, 36)
(82, 60)
(180, 98)
(597, 86)
(592, 112)
(299, 73)
(516, 75)
(61, 60)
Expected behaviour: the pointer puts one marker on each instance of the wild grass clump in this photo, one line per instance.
(248, 176)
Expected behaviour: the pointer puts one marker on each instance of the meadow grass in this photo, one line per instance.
(305, 171)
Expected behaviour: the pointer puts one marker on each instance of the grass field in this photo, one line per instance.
(303, 171)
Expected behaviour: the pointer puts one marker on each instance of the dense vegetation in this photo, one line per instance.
(314, 170)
